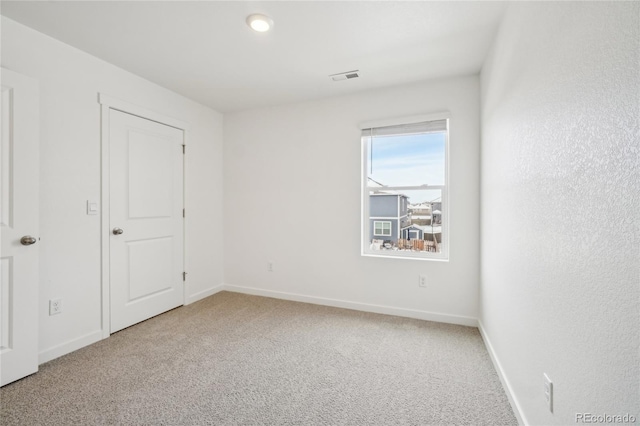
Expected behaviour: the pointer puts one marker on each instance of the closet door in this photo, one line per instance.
(146, 220)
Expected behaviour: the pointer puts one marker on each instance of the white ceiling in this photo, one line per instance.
(205, 51)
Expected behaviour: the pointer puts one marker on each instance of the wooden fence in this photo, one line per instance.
(419, 245)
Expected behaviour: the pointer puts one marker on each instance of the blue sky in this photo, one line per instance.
(409, 160)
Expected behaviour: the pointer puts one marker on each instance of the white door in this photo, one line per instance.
(19, 227)
(146, 223)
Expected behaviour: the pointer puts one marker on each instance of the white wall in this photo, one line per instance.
(560, 201)
(292, 196)
(70, 81)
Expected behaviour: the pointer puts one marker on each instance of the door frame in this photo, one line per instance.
(108, 103)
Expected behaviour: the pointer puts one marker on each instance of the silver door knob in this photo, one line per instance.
(27, 240)
(117, 231)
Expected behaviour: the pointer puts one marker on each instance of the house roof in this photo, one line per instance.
(426, 228)
(387, 193)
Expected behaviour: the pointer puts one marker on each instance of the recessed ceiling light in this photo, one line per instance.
(260, 23)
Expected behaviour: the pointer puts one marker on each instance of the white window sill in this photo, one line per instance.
(388, 254)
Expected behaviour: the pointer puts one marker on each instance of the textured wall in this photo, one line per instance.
(560, 200)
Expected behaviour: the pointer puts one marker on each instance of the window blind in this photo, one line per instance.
(407, 129)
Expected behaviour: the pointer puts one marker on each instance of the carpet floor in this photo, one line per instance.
(235, 359)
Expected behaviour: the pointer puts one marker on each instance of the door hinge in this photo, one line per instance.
(183, 148)
(184, 276)
(183, 213)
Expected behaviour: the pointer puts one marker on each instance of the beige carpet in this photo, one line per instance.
(233, 359)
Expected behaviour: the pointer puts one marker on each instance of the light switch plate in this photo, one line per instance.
(92, 207)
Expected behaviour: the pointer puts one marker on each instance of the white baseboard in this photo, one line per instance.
(515, 406)
(88, 339)
(80, 342)
(70, 346)
(202, 294)
(366, 307)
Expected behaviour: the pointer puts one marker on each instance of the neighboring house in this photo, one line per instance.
(437, 212)
(423, 213)
(388, 216)
(418, 232)
(413, 232)
(420, 213)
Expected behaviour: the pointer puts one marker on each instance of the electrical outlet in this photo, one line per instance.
(55, 306)
(422, 280)
(270, 266)
(548, 392)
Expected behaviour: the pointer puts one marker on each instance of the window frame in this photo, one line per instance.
(383, 222)
(366, 234)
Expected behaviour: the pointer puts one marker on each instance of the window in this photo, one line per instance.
(404, 188)
(381, 229)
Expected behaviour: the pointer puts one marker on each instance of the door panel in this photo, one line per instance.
(150, 176)
(146, 259)
(18, 218)
(150, 263)
(6, 301)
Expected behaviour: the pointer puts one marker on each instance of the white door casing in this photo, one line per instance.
(146, 205)
(19, 177)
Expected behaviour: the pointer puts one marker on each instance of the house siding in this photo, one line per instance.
(383, 206)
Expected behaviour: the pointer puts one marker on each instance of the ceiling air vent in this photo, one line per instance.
(345, 75)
